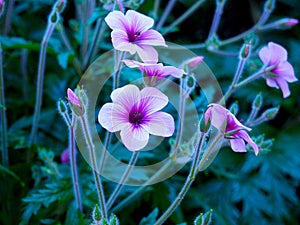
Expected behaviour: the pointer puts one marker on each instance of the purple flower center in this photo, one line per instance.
(136, 117)
(134, 36)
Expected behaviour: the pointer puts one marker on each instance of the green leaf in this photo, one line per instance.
(151, 218)
(11, 173)
(74, 216)
(63, 59)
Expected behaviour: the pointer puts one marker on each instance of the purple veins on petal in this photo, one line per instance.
(136, 115)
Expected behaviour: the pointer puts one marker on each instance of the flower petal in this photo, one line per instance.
(286, 71)
(152, 100)
(238, 145)
(272, 83)
(284, 87)
(121, 42)
(126, 96)
(151, 37)
(112, 117)
(134, 138)
(147, 53)
(246, 137)
(117, 20)
(160, 124)
(278, 52)
(171, 70)
(138, 22)
(265, 55)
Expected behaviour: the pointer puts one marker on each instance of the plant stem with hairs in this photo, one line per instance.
(53, 18)
(117, 190)
(217, 17)
(165, 14)
(187, 185)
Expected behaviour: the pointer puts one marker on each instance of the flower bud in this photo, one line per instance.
(285, 23)
(53, 18)
(65, 156)
(62, 106)
(245, 51)
(270, 113)
(97, 214)
(193, 62)
(60, 5)
(267, 144)
(269, 5)
(257, 102)
(76, 104)
(204, 125)
(113, 220)
(204, 219)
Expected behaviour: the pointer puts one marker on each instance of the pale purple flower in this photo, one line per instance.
(155, 71)
(132, 33)
(235, 131)
(279, 71)
(136, 114)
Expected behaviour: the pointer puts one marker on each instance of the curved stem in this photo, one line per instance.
(98, 182)
(140, 190)
(117, 190)
(186, 186)
(184, 16)
(236, 78)
(182, 102)
(40, 82)
(5, 156)
(216, 19)
(250, 79)
(165, 14)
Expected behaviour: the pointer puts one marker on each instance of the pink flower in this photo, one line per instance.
(155, 71)
(279, 71)
(132, 33)
(234, 130)
(136, 114)
(73, 99)
(65, 156)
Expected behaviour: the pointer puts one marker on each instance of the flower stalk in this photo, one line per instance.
(217, 17)
(187, 185)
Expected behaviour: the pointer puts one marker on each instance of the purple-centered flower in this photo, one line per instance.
(279, 71)
(132, 33)
(235, 131)
(155, 71)
(136, 114)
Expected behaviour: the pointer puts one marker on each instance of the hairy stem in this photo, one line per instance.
(216, 19)
(165, 14)
(117, 190)
(8, 17)
(98, 182)
(187, 184)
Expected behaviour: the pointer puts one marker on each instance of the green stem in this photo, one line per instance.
(184, 16)
(119, 58)
(72, 149)
(155, 9)
(165, 14)
(182, 103)
(5, 156)
(107, 140)
(236, 78)
(120, 185)
(98, 182)
(40, 81)
(8, 17)
(216, 19)
(250, 79)
(186, 186)
(140, 190)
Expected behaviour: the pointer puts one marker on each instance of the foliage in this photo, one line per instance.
(240, 188)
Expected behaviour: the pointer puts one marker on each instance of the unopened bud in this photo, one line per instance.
(60, 5)
(257, 102)
(285, 23)
(204, 125)
(204, 219)
(245, 51)
(97, 214)
(76, 104)
(113, 220)
(190, 82)
(53, 17)
(193, 62)
(267, 144)
(270, 5)
(234, 108)
(62, 106)
(270, 113)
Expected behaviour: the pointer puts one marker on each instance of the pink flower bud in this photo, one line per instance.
(291, 22)
(73, 99)
(195, 61)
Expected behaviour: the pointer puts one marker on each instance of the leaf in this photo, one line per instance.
(63, 59)
(74, 216)
(5, 170)
(151, 218)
